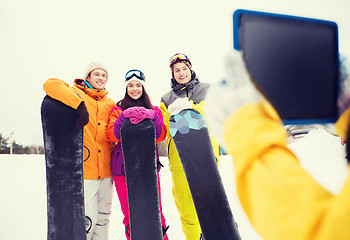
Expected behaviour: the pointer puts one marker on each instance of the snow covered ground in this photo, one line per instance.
(23, 200)
(23, 189)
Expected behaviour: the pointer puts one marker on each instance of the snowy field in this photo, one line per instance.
(23, 189)
(23, 200)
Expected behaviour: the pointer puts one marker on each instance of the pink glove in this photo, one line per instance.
(137, 114)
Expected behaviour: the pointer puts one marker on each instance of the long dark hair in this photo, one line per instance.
(143, 101)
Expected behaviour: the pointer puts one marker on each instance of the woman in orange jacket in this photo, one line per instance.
(89, 97)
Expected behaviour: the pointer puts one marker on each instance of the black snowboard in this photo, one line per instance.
(195, 150)
(63, 142)
(140, 161)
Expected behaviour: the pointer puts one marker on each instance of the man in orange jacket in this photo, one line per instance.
(88, 96)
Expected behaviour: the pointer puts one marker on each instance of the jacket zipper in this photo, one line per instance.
(169, 145)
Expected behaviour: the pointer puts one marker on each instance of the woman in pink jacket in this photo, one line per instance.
(135, 100)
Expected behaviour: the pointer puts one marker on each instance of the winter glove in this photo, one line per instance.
(83, 115)
(225, 98)
(178, 105)
(344, 83)
(137, 114)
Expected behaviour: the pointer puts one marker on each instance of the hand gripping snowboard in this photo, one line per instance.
(195, 150)
(63, 141)
(140, 161)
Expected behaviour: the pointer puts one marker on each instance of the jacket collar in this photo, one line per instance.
(179, 87)
(94, 93)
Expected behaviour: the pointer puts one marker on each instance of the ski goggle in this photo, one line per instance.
(134, 73)
(178, 57)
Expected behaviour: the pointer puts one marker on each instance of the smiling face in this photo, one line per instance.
(134, 89)
(182, 73)
(97, 79)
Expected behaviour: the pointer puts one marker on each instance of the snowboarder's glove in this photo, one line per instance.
(344, 83)
(178, 105)
(137, 114)
(83, 115)
(226, 97)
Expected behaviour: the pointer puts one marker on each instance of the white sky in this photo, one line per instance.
(40, 39)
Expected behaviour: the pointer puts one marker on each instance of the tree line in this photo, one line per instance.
(5, 147)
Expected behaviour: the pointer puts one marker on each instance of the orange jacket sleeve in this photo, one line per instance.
(113, 117)
(61, 91)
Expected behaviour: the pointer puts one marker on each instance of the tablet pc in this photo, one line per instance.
(294, 61)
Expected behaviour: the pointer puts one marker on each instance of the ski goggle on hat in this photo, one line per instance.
(179, 57)
(136, 75)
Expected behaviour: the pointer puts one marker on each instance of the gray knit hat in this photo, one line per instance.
(92, 66)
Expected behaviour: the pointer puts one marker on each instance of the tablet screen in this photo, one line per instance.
(294, 61)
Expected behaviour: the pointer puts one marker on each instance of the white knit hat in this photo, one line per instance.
(92, 66)
(135, 79)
